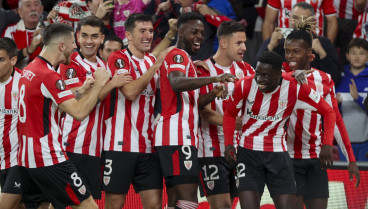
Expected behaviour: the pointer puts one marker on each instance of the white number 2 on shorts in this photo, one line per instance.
(240, 170)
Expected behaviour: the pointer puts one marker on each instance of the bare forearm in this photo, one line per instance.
(78, 92)
(86, 104)
(106, 90)
(212, 117)
(134, 88)
(180, 84)
(332, 28)
(166, 42)
(205, 99)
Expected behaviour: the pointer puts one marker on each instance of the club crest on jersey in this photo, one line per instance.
(239, 74)
(210, 185)
(126, 13)
(282, 104)
(106, 180)
(82, 190)
(70, 73)
(15, 95)
(319, 88)
(119, 63)
(60, 85)
(178, 59)
(188, 164)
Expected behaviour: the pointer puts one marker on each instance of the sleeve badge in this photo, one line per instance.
(70, 73)
(60, 85)
(178, 59)
(119, 63)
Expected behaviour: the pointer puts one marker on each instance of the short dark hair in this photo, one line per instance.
(112, 38)
(229, 27)
(188, 16)
(54, 31)
(91, 21)
(358, 42)
(305, 5)
(271, 58)
(136, 17)
(9, 46)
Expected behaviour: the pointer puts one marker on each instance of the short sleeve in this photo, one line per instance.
(203, 73)
(54, 87)
(275, 4)
(177, 60)
(118, 62)
(328, 7)
(71, 75)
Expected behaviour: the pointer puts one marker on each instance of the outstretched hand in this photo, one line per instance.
(226, 77)
(301, 75)
(230, 154)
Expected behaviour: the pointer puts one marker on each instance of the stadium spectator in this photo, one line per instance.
(304, 134)
(26, 32)
(47, 174)
(347, 18)
(10, 179)
(110, 45)
(122, 10)
(103, 10)
(129, 129)
(217, 175)
(175, 133)
(351, 92)
(326, 56)
(281, 9)
(266, 101)
(362, 29)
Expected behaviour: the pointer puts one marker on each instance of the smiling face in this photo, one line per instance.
(140, 39)
(90, 38)
(266, 77)
(191, 35)
(297, 54)
(235, 46)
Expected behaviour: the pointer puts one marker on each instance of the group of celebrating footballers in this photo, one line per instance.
(219, 125)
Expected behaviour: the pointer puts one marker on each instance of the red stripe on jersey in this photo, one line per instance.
(176, 163)
(342, 8)
(202, 183)
(88, 134)
(7, 125)
(127, 126)
(298, 134)
(38, 152)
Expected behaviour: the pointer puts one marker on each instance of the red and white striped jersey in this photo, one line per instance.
(178, 123)
(211, 137)
(266, 114)
(305, 126)
(346, 9)
(361, 30)
(129, 125)
(8, 120)
(321, 7)
(22, 37)
(41, 90)
(82, 137)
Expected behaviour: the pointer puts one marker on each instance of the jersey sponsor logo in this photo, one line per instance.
(262, 117)
(188, 164)
(178, 59)
(60, 85)
(82, 190)
(70, 73)
(210, 185)
(250, 102)
(106, 180)
(119, 63)
(71, 81)
(64, 94)
(148, 92)
(8, 111)
(28, 75)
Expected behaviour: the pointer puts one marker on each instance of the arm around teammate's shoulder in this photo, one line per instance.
(80, 109)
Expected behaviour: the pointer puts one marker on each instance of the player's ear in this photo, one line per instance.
(223, 42)
(128, 35)
(13, 61)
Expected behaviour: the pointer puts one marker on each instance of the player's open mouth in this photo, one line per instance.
(292, 64)
(262, 86)
(197, 45)
(147, 43)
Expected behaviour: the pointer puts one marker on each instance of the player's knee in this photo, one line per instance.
(114, 201)
(152, 203)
